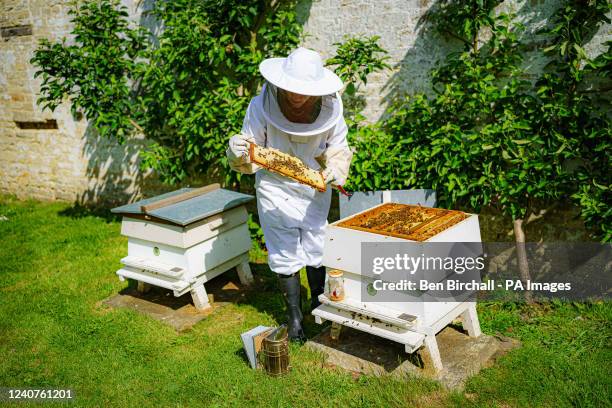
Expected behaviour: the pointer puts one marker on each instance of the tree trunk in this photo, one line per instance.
(521, 255)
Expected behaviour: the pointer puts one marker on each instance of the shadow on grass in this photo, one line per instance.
(264, 295)
(78, 211)
(242, 354)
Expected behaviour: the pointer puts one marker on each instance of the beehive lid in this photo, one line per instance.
(411, 222)
(188, 211)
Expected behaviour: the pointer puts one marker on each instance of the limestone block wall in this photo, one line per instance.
(51, 155)
(413, 49)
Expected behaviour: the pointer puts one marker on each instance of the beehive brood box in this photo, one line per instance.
(182, 239)
(393, 222)
(409, 319)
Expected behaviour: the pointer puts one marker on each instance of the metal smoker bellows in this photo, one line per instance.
(411, 321)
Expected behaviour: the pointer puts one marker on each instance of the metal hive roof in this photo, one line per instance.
(191, 210)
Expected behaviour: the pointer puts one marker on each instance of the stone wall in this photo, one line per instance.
(413, 49)
(51, 155)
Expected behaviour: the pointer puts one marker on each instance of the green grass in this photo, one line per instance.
(58, 263)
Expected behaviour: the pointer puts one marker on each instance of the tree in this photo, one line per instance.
(485, 138)
(573, 94)
(186, 92)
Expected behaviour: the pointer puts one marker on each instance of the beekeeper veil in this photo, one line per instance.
(302, 72)
(329, 114)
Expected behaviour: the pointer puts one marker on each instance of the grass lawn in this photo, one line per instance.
(58, 263)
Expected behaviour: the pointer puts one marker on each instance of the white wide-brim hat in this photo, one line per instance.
(330, 114)
(302, 72)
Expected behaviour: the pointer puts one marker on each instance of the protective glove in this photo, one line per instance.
(337, 159)
(239, 147)
(329, 176)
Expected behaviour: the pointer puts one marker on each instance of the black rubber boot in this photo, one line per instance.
(290, 288)
(316, 281)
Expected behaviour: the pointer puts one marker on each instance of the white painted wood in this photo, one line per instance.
(197, 259)
(182, 259)
(447, 318)
(152, 231)
(156, 280)
(470, 321)
(431, 346)
(212, 273)
(342, 251)
(153, 266)
(200, 298)
(184, 237)
(427, 312)
(244, 273)
(373, 310)
(213, 252)
(411, 339)
(167, 254)
(386, 196)
(342, 248)
(180, 286)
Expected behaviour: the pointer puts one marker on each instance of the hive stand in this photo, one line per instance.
(198, 291)
(413, 339)
(469, 319)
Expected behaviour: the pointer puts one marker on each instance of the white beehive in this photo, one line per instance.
(179, 241)
(409, 320)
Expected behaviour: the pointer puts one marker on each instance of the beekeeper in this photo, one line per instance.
(299, 112)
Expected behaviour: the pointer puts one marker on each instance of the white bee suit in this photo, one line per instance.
(293, 216)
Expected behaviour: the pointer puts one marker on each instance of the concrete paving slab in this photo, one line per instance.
(179, 312)
(462, 356)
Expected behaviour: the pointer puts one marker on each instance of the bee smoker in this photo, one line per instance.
(274, 354)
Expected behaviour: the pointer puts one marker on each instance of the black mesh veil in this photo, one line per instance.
(330, 106)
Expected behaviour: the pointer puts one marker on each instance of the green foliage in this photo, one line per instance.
(488, 136)
(203, 75)
(257, 239)
(570, 98)
(96, 71)
(358, 57)
(187, 91)
(462, 20)
(375, 165)
(355, 59)
(474, 142)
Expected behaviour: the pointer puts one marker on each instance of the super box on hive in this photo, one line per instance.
(410, 321)
(182, 239)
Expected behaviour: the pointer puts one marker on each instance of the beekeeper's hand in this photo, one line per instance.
(239, 146)
(329, 175)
